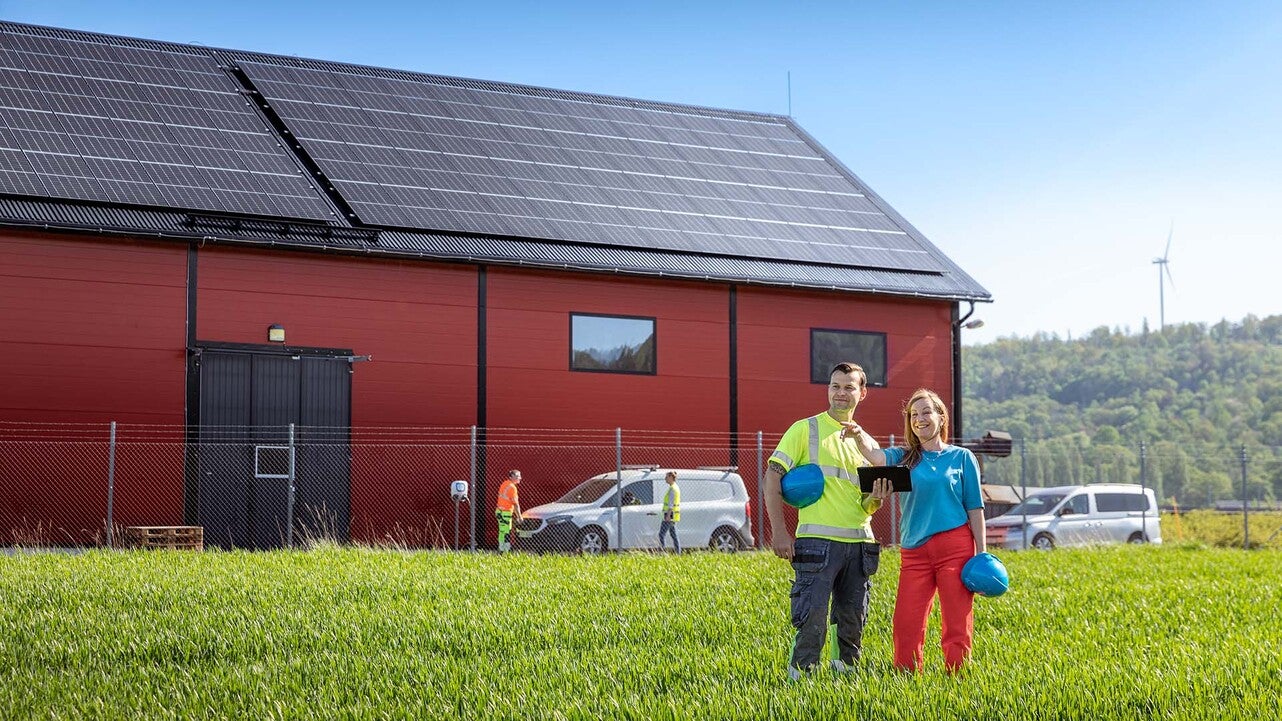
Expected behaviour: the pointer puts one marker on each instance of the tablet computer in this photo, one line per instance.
(901, 481)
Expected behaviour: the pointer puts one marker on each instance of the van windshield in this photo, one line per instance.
(589, 491)
(1036, 505)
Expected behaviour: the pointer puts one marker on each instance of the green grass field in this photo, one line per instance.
(1223, 529)
(1116, 632)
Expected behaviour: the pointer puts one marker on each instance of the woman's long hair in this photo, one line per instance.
(913, 455)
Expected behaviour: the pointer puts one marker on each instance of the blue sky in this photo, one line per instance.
(1045, 147)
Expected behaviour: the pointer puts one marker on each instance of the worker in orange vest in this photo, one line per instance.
(507, 509)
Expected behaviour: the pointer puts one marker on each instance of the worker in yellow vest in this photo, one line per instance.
(507, 509)
(671, 512)
(833, 552)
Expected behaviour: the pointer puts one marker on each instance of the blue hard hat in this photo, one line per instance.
(803, 485)
(984, 574)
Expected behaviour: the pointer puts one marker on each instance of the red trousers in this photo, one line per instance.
(934, 566)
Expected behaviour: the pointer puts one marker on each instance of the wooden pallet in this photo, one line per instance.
(183, 538)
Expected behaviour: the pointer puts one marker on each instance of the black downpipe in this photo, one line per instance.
(191, 470)
(955, 327)
(480, 519)
(734, 376)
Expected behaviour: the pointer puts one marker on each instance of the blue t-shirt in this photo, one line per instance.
(945, 487)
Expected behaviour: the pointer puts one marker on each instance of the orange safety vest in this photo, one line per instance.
(507, 496)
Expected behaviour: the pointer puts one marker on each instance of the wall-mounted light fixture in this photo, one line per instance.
(973, 324)
(276, 333)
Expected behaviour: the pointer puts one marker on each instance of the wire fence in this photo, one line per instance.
(116, 485)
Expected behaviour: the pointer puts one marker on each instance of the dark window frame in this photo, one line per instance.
(872, 382)
(654, 324)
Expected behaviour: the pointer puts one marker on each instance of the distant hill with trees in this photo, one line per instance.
(1193, 395)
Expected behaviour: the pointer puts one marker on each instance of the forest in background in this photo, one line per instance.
(1178, 408)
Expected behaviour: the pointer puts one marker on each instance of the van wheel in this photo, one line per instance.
(592, 541)
(1136, 537)
(725, 540)
(1043, 541)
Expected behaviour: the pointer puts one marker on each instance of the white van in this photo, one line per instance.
(1078, 516)
(715, 512)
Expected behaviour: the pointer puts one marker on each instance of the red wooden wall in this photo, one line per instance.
(92, 331)
(416, 320)
(774, 354)
(95, 330)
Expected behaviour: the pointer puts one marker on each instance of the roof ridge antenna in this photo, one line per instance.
(1163, 267)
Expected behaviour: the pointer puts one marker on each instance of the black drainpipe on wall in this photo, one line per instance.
(734, 375)
(956, 328)
(191, 470)
(478, 493)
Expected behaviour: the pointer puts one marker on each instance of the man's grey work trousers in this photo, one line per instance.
(830, 569)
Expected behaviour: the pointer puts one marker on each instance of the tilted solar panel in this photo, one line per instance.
(140, 124)
(445, 154)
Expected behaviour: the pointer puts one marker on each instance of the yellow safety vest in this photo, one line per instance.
(839, 513)
(672, 502)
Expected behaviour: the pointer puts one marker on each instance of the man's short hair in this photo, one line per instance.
(853, 369)
(671, 474)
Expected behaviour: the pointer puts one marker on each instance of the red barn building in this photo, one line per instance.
(506, 256)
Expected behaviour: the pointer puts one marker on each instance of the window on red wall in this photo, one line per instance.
(828, 347)
(612, 343)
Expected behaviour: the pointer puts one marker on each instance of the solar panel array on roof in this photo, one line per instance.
(87, 120)
(412, 152)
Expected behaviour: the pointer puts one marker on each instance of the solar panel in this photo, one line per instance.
(88, 120)
(551, 165)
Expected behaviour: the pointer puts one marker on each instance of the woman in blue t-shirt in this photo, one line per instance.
(943, 527)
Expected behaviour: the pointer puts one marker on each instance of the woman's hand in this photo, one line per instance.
(864, 441)
(881, 489)
(850, 429)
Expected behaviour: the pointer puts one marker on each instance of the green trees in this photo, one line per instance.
(1193, 395)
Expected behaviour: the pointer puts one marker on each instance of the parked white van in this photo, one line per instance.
(1078, 516)
(715, 512)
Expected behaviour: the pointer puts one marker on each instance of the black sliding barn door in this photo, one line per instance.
(247, 401)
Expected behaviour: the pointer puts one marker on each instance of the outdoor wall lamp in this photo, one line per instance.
(276, 333)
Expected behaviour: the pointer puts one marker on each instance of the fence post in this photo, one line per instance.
(471, 531)
(111, 485)
(1246, 527)
(289, 506)
(1023, 484)
(761, 491)
(618, 487)
(1143, 485)
(894, 508)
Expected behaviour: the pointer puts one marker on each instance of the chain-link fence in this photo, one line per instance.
(76, 485)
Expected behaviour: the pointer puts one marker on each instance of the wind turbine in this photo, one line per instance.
(1162, 267)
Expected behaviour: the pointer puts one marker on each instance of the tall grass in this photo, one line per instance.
(1118, 632)
(1217, 528)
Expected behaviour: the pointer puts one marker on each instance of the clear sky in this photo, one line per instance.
(1047, 147)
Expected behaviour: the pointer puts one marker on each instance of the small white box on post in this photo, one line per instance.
(458, 493)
